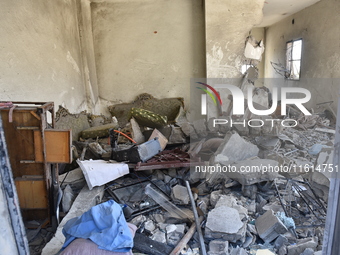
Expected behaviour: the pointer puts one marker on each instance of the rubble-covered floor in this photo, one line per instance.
(250, 212)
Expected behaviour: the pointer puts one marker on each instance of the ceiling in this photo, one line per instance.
(276, 10)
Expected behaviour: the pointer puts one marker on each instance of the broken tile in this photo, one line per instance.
(269, 226)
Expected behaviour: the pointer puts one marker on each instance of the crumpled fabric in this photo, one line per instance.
(104, 224)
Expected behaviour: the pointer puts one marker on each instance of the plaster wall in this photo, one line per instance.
(40, 53)
(318, 26)
(228, 23)
(150, 46)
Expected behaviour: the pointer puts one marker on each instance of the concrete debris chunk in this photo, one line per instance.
(136, 133)
(254, 171)
(180, 194)
(218, 247)
(177, 136)
(269, 226)
(234, 148)
(158, 236)
(149, 225)
(302, 245)
(200, 127)
(224, 222)
(230, 201)
(174, 233)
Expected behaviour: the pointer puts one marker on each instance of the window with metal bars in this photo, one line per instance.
(293, 59)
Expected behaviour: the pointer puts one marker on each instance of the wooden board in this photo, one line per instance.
(32, 192)
(58, 146)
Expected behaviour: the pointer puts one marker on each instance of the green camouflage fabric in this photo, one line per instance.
(148, 118)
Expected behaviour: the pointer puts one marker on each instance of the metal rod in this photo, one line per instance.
(197, 221)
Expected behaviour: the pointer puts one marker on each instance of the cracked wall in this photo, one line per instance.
(318, 26)
(228, 23)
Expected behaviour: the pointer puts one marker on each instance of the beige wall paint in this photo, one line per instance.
(40, 53)
(318, 26)
(228, 23)
(152, 46)
(259, 34)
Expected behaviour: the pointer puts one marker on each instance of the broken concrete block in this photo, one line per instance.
(174, 233)
(280, 241)
(99, 172)
(302, 245)
(196, 176)
(238, 251)
(214, 197)
(180, 194)
(253, 171)
(269, 143)
(136, 133)
(138, 220)
(249, 191)
(149, 225)
(188, 130)
(200, 127)
(158, 236)
(231, 202)
(224, 219)
(177, 136)
(75, 178)
(264, 252)
(308, 251)
(234, 148)
(320, 180)
(225, 223)
(218, 247)
(211, 127)
(269, 226)
(241, 130)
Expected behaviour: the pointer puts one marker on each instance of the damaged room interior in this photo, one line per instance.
(169, 127)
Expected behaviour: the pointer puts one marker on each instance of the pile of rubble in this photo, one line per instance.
(257, 190)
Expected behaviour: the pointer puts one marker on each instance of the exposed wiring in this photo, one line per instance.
(117, 131)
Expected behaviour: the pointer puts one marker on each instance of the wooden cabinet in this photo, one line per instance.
(34, 149)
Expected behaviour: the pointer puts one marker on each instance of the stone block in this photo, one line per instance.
(302, 245)
(234, 148)
(218, 247)
(180, 194)
(174, 233)
(200, 127)
(248, 172)
(158, 236)
(269, 226)
(224, 222)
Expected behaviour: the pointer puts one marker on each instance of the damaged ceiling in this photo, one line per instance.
(276, 10)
